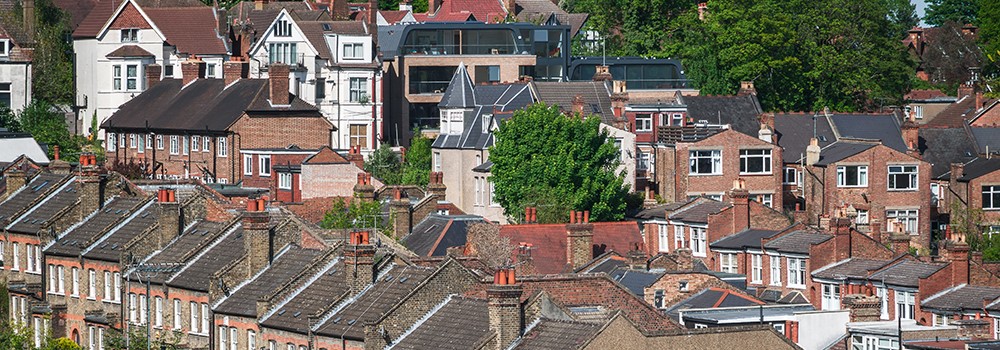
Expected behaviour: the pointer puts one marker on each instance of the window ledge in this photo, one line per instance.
(712, 174)
(843, 186)
(901, 190)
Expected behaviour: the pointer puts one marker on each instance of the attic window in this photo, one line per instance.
(4, 47)
(595, 109)
(682, 286)
(326, 26)
(130, 35)
(282, 28)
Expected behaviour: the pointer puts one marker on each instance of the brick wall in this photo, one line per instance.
(130, 18)
(730, 142)
(451, 278)
(669, 283)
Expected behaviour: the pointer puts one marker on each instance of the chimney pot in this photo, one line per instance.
(234, 70)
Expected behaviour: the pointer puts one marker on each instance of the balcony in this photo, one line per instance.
(465, 49)
(296, 63)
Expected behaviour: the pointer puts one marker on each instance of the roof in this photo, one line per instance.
(746, 314)
(535, 11)
(392, 285)
(205, 104)
(841, 150)
(436, 233)
(978, 167)
(596, 97)
(322, 290)
(960, 298)
(548, 252)
(77, 10)
(32, 221)
(193, 30)
(750, 238)
(699, 212)
(906, 273)
(459, 323)
(315, 32)
(393, 17)
(37, 187)
(928, 95)
(127, 51)
(714, 298)
(943, 146)
(738, 111)
(13, 145)
(193, 238)
(636, 281)
(243, 299)
(871, 126)
(196, 274)
(109, 247)
(459, 93)
(797, 241)
(986, 138)
(550, 334)
(658, 211)
(492, 104)
(852, 268)
(954, 115)
(72, 242)
(793, 132)
(325, 155)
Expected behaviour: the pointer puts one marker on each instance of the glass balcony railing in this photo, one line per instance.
(428, 86)
(468, 49)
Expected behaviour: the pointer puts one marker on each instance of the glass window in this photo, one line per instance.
(283, 28)
(791, 177)
(131, 141)
(194, 317)
(935, 194)
(130, 35)
(251, 340)
(698, 241)
(205, 323)
(437, 161)
(991, 197)
(706, 162)
(158, 312)
(264, 165)
(210, 70)
(755, 161)
(132, 77)
(248, 164)
(643, 122)
(107, 286)
(206, 144)
(195, 143)
(4, 47)
(862, 218)
(173, 145)
(354, 51)
(159, 142)
(663, 235)
(905, 305)
(883, 295)
(756, 268)
(727, 262)
(763, 198)
(796, 272)
(852, 176)
(116, 293)
(902, 177)
(177, 314)
(493, 194)
(283, 53)
(91, 284)
(285, 181)
(359, 90)
(906, 218)
(831, 297)
(223, 338)
(679, 237)
(220, 143)
(320, 88)
(111, 142)
(116, 77)
(359, 135)
(185, 145)
(142, 143)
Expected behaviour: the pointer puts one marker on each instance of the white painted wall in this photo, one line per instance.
(818, 329)
(628, 153)
(18, 74)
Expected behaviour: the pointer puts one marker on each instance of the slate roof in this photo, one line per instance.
(72, 242)
(596, 97)
(460, 93)
(496, 100)
(840, 150)
(954, 116)
(459, 324)
(853, 268)
(318, 293)
(943, 146)
(978, 167)
(714, 298)
(109, 248)
(550, 334)
(750, 238)
(636, 281)
(243, 301)
(698, 213)
(793, 132)
(196, 274)
(658, 211)
(873, 126)
(436, 233)
(797, 241)
(349, 319)
(959, 298)
(205, 104)
(986, 139)
(610, 263)
(906, 273)
(193, 238)
(738, 111)
(39, 186)
(548, 252)
(35, 218)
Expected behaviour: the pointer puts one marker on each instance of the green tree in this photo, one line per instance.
(988, 38)
(545, 159)
(47, 125)
(8, 119)
(940, 12)
(348, 214)
(384, 165)
(115, 339)
(417, 167)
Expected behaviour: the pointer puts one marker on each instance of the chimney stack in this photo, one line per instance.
(364, 190)
(258, 241)
(580, 233)
(169, 218)
(530, 215)
(15, 179)
(765, 134)
(92, 183)
(234, 70)
(966, 90)
(792, 331)
(192, 69)
(278, 81)
(603, 74)
(28, 15)
(959, 255)
(741, 205)
(433, 6)
(406, 5)
(900, 242)
(359, 256)
(401, 215)
(153, 74)
(578, 105)
(259, 4)
(746, 89)
(864, 308)
(354, 156)
(812, 152)
(436, 186)
(504, 304)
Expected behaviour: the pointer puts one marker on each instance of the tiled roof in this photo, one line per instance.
(658, 211)
(91, 25)
(548, 252)
(320, 292)
(698, 213)
(35, 218)
(436, 233)
(854, 268)
(960, 298)
(943, 146)
(77, 238)
(193, 30)
(746, 239)
(373, 302)
(77, 9)
(196, 274)
(954, 116)
(497, 101)
(797, 241)
(636, 281)
(393, 17)
(840, 150)
(39, 186)
(489, 11)
(313, 209)
(109, 248)
(596, 97)
(460, 93)
(986, 138)
(325, 155)
(713, 298)
(926, 94)
(871, 126)
(794, 131)
(205, 104)
(315, 32)
(460, 323)
(550, 334)
(177, 251)
(906, 273)
(738, 111)
(243, 301)
(126, 51)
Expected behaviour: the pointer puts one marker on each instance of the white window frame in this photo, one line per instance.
(117, 295)
(220, 143)
(285, 181)
(111, 142)
(16, 256)
(909, 218)
(233, 339)
(793, 173)
(756, 268)
(206, 323)
(129, 35)
(905, 304)
(714, 158)
(251, 340)
(727, 263)
(195, 143)
(883, 295)
(831, 297)
(899, 171)
(766, 199)
(796, 272)
(159, 142)
(174, 149)
(862, 218)
(224, 338)
(437, 161)
(116, 77)
(354, 51)
(248, 165)
(698, 242)
(992, 193)
(5, 47)
(493, 191)
(264, 165)
(935, 193)
(358, 88)
(860, 176)
(193, 307)
(679, 239)
(61, 278)
(91, 284)
(132, 141)
(107, 287)
(643, 122)
(755, 155)
(177, 314)
(158, 312)
(663, 233)
(185, 145)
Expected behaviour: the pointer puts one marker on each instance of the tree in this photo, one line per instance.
(349, 214)
(950, 54)
(8, 119)
(417, 166)
(988, 38)
(115, 339)
(47, 125)
(940, 12)
(384, 165)
(543, 155)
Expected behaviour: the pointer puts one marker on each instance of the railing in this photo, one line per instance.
(428, 86)
(294, 62)
(675, 134)
(653, 84)
(470, 49)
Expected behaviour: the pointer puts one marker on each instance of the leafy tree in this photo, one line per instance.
(348, 214)
(384, 165)
(545, 159)
(15, 335)
(47, 125)
(950, 54)
(53, 63)
(417, 167)
(8, 119)
(940, 12)
(988, 38)
(116, 339)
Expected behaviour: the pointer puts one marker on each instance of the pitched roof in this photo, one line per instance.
(960, 298)
(77, 238)
(374, 301)
(459, 93)
(797, 241)
(853, 268)
(955, 115)
(986, 138)
(458, 323)
(871, 126)
(978, 167)
(841, 150)
(325, 155)
(636, 281)
(436, 233)
(715, 298)
(126, 51)
(493, 103)
(205, 104)
(191, 240)
(14, 145)
(77, 10)
(738, 111)
(196, 274)
(923, 95)
(596, 97)
(548, 252)
(793, 132)
(40, 214)
(906, 272)
(321, 291)
(109, 247)
(36, 188)
(550, 334)
(193, 30)
(658, 211)
(745, 239)
(699, 212)
(242, 301)
(943, 146)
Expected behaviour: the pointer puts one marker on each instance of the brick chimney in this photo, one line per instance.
(504, 304)
(234, 70)
(14, 180)
(92, 182)
(966, 90)
(436, 186)
(401, 215)
(259, 4)
(911, 135)
(958, 253)
(530, 215)
(741, 205)
(863, 308)
(278, 82)
(619, 98)
(192, 69)
(258, 242)
(841, 229)
(900, 242)
(169, 218)
(603, 73)
(812, 152)
(363, 189)
(580, 233)
(746, 89)
(792, 331)
(980, 102)
(359, 257)
(153, 72)
(59, 166)
(354, 156)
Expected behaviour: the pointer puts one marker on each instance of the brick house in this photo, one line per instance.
(200, 125)
(279, 170)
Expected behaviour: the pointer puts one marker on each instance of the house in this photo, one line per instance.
(969, 104)
(925, 104)
(119, 45)
(436, 233)
(199, 126)
(16, 55)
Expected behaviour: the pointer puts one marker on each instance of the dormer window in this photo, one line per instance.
(354, 51)
(130, 35)
(282, 28)
(452, 122)
(487, 120)
(4, 48)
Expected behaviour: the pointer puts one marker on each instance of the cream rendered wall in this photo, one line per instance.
(627, 151)
(18, 74)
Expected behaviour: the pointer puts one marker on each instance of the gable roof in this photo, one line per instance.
(110, 247)
(193, 30)
(14, 145)
(391, 286)
(596, 97)
(548, 252)
(320, 291)
(750, 238)
(960, 298)
(798, 241)
(493, 103)
(906, 272)
(740, 112)
(196, 274)
(870, 126)
(436, 233)
(40, 214)
(325, 155)
(715, 298)
(841, 150)
(978, 167)
(699, 212)
(794, 130)
(457, 323)
(77, 238)
(955, 115)
(126, 51)
(551, 334)
(536, 11)
(636, 281)
(38, 187)
(852, 268)
(943, 146)
(243, 300)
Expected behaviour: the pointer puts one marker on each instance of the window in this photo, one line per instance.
(872, 342)
(118, 287)
(756, 268)
(904, 305)
(763, 198)
(437, 161)
(131, 141)
(493, 197)
(206, 144)
(107, 286)
(852, 176)
(359, 90)
(193, 306)
(902, 177)
(991, 197)
(831, 297)
(755, 161)
(248, 164)
(264, 165)
(61, 275)
(477, 184)
(4, 47)
(642, 160)
(177, 314)
(935, 194)
(940, 320)
(918, 112)
(173, 144)
(131, 77)
(698, 241)
(143, 309)
(282, 28)
(282, 53)
(727, 262)
(205, 323)
(320, 88)
(359, 135)
(2, 252)
(643, 122)
(130, 35)
(38, 259)
(706, 162)
(223, 338)
(158, 312)
(185, 146)
(52, 278)
(272, 345)
(220, 143)
(142, 143)
(132, 308)
(210, 70)
(678, 237)
(791, 177)
(883, 295)
(121, 140)
(159, 142)
(17, 257)
(663, 233)
(233, 339)
(251, 340)
(195, 143)
(862, 218)
(111, 141)
(906, 218)
(796, 273)
(658, 298)
(91, 284)
(116, 77)
(354, 51)
(677, 119)
(285, 181)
